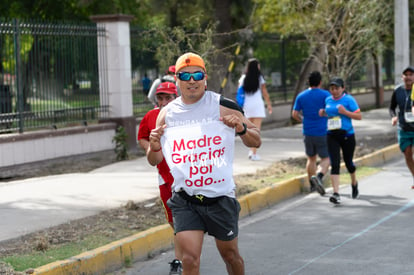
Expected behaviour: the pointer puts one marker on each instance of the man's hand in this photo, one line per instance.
(233, 121)
(155, 138)
(394, 120)
(322, 112)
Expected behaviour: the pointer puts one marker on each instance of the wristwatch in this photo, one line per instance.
(244, 130)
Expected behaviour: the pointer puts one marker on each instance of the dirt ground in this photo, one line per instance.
(135, 217)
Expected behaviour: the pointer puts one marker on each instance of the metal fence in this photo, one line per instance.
(49, 75)
(142, 63)
(280, 59)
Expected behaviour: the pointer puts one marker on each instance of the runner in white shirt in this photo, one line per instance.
(195, 134)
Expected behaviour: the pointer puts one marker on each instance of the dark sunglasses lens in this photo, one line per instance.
(184, 76)
(197, 76)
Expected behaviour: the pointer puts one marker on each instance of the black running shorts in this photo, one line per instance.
(219, 219)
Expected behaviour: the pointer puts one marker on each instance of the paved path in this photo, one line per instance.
(37, 203)
(308, 235)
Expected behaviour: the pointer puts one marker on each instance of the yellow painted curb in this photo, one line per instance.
(268, 196)
(115, 255)
(379, 157)
(140, 246)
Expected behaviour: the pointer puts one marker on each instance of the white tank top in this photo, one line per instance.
(199, 148)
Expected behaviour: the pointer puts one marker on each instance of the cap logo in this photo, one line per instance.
(188, 61)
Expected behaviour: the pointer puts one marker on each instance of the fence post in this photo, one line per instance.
(114, 53)
(19, 90)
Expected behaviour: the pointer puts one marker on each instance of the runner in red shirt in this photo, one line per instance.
(165, 93)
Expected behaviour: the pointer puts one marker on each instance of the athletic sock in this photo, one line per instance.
(320, 175)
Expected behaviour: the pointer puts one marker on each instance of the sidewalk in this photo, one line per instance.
(37, 203)
(33, 204)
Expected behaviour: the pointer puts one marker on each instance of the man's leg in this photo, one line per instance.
(406, 141)
(311, 166)
(324, 165)
(190, 243)
(229, 251)
(315, 181)
(408, 155)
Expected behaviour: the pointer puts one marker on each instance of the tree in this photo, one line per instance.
(210, 30)
(207, 27)
(339, 32)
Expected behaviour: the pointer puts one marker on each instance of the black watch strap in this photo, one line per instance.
(244, 130)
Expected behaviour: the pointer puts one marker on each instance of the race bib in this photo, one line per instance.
(200, 157)
(334, 123)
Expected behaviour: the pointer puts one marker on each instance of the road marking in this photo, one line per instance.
(357, 235)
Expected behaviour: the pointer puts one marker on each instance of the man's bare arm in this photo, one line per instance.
(248, 132)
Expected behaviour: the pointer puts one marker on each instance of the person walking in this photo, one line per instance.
(165, 93)
(401, 98)
(168, 77)
(314, 127)
(255, 90)
(145, 84)
(195, 134)
(341, 108)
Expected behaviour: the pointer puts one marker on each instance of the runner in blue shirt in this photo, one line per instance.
(306, 110)
(341, 108)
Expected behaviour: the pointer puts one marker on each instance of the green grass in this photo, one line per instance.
(41, 105)
(362, 172)
(61, 252)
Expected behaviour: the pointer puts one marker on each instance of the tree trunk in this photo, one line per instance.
(221, 59)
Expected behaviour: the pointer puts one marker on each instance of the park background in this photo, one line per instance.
(71, 71)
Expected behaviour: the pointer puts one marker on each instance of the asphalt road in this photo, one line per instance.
(308, 235)
(33, 204)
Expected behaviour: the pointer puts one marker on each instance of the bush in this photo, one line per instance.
(121, 146)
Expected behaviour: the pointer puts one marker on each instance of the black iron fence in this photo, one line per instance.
(49, 75)
(143, 63)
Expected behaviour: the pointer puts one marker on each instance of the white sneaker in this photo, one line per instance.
(255, 157)
(250, 154)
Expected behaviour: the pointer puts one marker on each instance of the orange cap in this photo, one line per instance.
(189, 59)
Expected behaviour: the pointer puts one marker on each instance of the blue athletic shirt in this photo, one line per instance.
(331, 109)
(310, 101)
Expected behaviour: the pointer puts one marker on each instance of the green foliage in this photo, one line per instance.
(163, 45)
(7, 51)
(339, 32)
(121, 145)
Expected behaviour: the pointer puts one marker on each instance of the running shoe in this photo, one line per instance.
(355, 192)
(250, 154)
(317, 183)
(335, 198)
(312, 186)
(255, 157)
(176, 267)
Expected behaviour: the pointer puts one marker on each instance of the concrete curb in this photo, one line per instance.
(142, 245)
